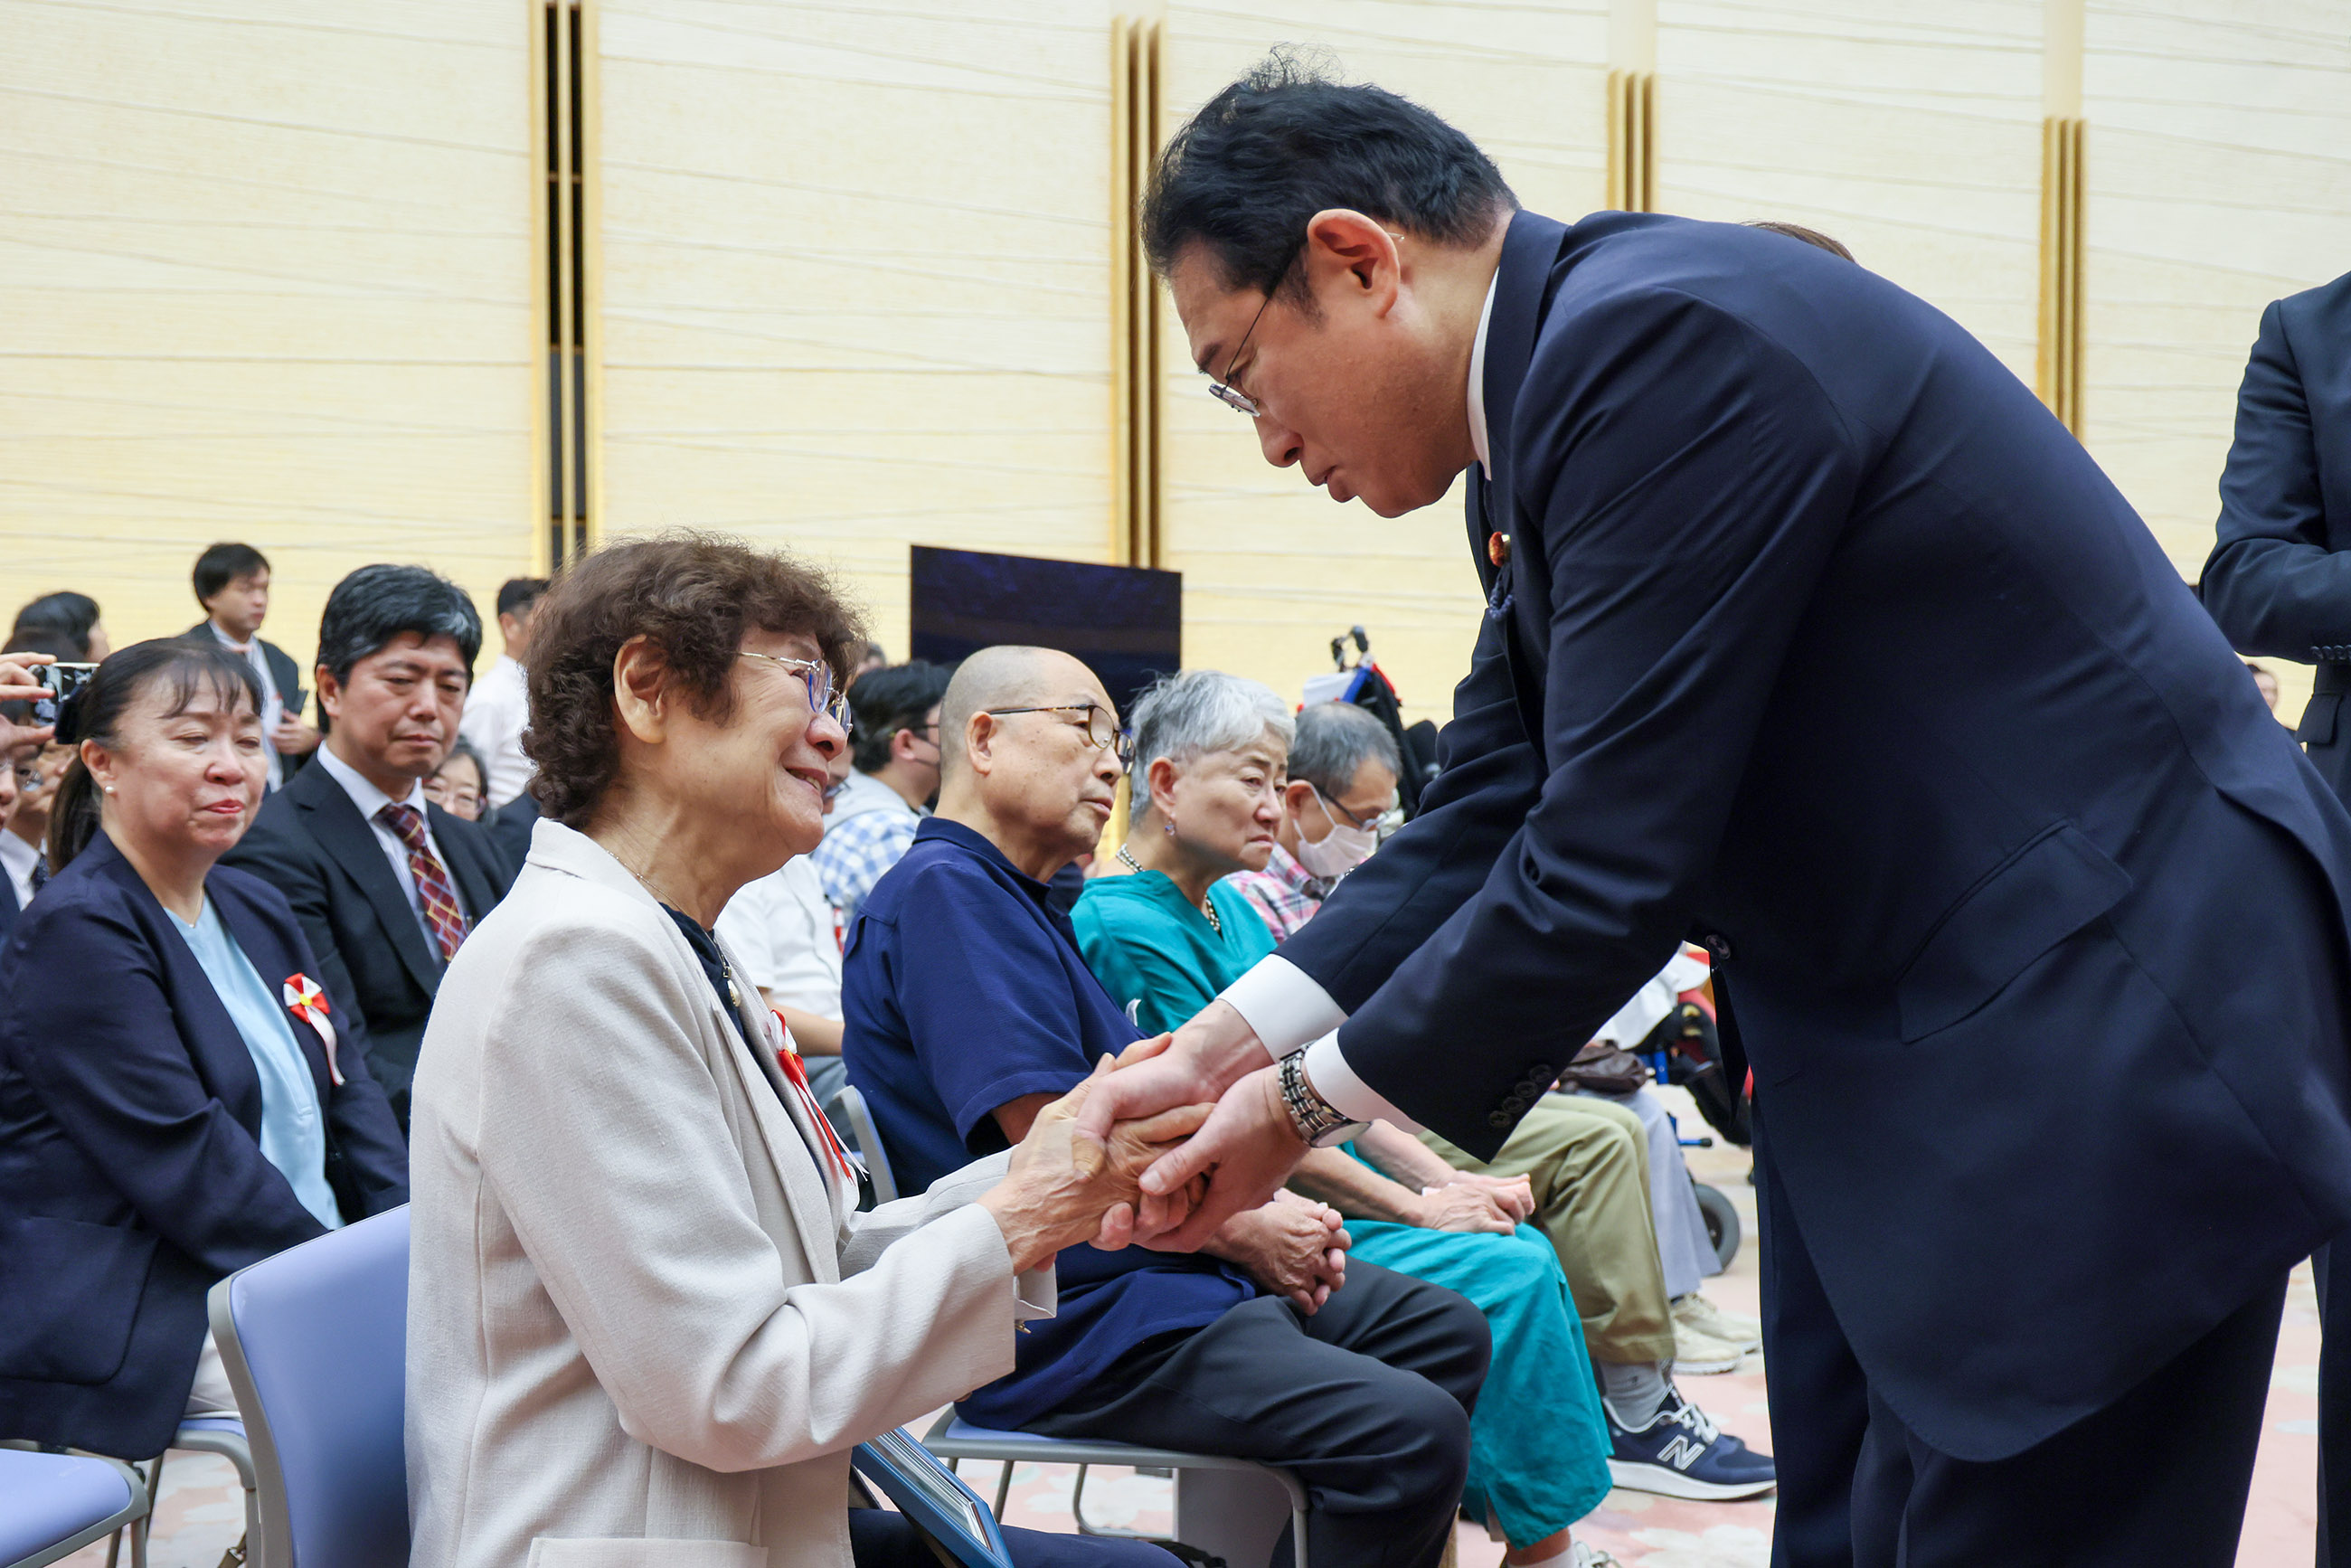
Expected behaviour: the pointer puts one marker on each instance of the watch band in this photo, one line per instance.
(1317, 1121)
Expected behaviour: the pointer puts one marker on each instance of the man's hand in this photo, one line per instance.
(1514, 1194)
(17, 685)
(1193, 1067)
(1247, 1149)
(1292, 1245)
(292, 737)
(1456, 1208)
(1047, 1201)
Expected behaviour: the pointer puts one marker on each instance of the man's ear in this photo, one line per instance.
(1350, 257)
(1295, 795)
(979, 734)
(330, 692)
(639, 679)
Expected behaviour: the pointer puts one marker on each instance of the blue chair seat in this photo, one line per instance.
(54, 1504)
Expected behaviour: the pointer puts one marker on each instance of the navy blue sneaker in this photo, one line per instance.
(1682, 1453)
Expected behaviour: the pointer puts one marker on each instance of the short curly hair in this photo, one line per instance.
(694, 596)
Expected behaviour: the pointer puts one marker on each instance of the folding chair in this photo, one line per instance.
(314, 1342)
(851, 1105)
(222, 1435)
(53, 1505)
(1232, 1509)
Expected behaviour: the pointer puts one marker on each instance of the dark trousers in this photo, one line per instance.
(1367, 1401)
(2334, 1408)
(2160, 1476)
(878, 1539)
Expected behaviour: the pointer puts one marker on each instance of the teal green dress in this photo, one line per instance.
(1538, 1446)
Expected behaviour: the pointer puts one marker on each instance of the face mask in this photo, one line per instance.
(1341, 851)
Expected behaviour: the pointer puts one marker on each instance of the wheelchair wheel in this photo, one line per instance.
(1721, 1221)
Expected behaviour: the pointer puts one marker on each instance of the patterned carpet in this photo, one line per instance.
(200, 1512)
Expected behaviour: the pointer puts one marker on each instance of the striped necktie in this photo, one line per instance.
(444, 916)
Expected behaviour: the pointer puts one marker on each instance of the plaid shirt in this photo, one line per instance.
(1282, 893)
(854, 853)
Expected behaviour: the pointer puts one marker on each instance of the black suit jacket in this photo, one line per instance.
(282, 670)
(132, 1175)
(2279, 580)
(1821, 638)
(311, 844)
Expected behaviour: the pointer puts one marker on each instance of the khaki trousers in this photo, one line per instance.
(1588, 1162)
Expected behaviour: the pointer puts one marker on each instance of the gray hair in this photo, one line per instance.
(1187, 716)
(1334, 740)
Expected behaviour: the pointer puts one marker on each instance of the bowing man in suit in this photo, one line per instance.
(179, 1096)
(1981, 926)
(2279, 584)
(231, 583)
(386, 883)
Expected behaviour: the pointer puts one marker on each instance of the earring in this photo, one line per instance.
(109, 788)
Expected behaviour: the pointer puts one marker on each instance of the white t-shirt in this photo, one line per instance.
(498, 710)
(782, 927)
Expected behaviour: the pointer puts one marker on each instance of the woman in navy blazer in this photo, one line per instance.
(132, 1171)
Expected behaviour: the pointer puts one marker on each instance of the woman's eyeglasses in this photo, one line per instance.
(1102, 731)
(817, 676)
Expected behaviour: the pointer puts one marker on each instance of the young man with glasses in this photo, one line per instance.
(895, 742)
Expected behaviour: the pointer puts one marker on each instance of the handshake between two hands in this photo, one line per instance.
(1165, 1146)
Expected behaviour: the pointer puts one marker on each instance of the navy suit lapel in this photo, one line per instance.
(335, 821)
(265, 948)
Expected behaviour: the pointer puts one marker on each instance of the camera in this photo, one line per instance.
(66, 681)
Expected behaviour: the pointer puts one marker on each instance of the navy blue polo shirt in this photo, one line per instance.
(962, 990)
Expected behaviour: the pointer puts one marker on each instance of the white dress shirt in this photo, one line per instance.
(18, 858)
(1279, 1000)
(781, 927)
(498, 710)
(370, 800)
(273, 704)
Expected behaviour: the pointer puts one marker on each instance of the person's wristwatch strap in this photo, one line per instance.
(1317, 1121)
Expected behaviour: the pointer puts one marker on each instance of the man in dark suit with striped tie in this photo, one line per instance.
(386, 885)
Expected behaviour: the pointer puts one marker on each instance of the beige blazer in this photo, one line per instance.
(643, 1327)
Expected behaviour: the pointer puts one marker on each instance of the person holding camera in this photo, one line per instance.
(179, 1096)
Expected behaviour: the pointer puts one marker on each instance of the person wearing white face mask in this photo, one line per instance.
(1342, 780)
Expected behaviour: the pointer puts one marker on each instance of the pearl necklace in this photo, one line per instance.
(1208, 905)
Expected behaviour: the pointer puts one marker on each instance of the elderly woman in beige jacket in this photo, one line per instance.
(647, 1323)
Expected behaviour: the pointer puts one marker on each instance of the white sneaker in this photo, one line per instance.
(1591, 1557)
(1696, 1313)
(1699, 1354)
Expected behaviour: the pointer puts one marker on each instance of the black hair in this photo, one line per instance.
(1245, 173)
(65, 611)
(222, 564)
(516, 594)
(376, 604)
(884, 702)
(95, 713)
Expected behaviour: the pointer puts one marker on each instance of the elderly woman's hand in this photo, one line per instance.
(1051, 1199)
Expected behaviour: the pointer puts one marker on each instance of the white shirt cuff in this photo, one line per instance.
(1336, 1081)
(1284, 1006)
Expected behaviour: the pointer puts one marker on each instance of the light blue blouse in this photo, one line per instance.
(293, 1133)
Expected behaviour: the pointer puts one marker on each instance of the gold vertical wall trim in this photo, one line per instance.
(1631, 141)
(588, 247)
(1135, 321)
(2058, 359)
(564, 170)
(542, 297)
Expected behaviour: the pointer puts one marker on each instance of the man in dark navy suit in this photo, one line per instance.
(2279, 584)
(386, 883)
(2034, 1159)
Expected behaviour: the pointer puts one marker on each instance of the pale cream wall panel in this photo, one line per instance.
(265, 273)
(1911, 133)
(1272, 570)
(2218, 168)
(856, 279)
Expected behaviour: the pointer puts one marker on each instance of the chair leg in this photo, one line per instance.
(1003, 1489)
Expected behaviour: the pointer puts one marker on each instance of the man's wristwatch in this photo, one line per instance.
(1319, 1122)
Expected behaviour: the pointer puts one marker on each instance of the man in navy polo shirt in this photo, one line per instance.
(967, 1006)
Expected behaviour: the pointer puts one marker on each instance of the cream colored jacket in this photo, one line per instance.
(643, 1327)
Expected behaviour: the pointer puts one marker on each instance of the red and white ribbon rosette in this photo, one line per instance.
(308, 1002)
